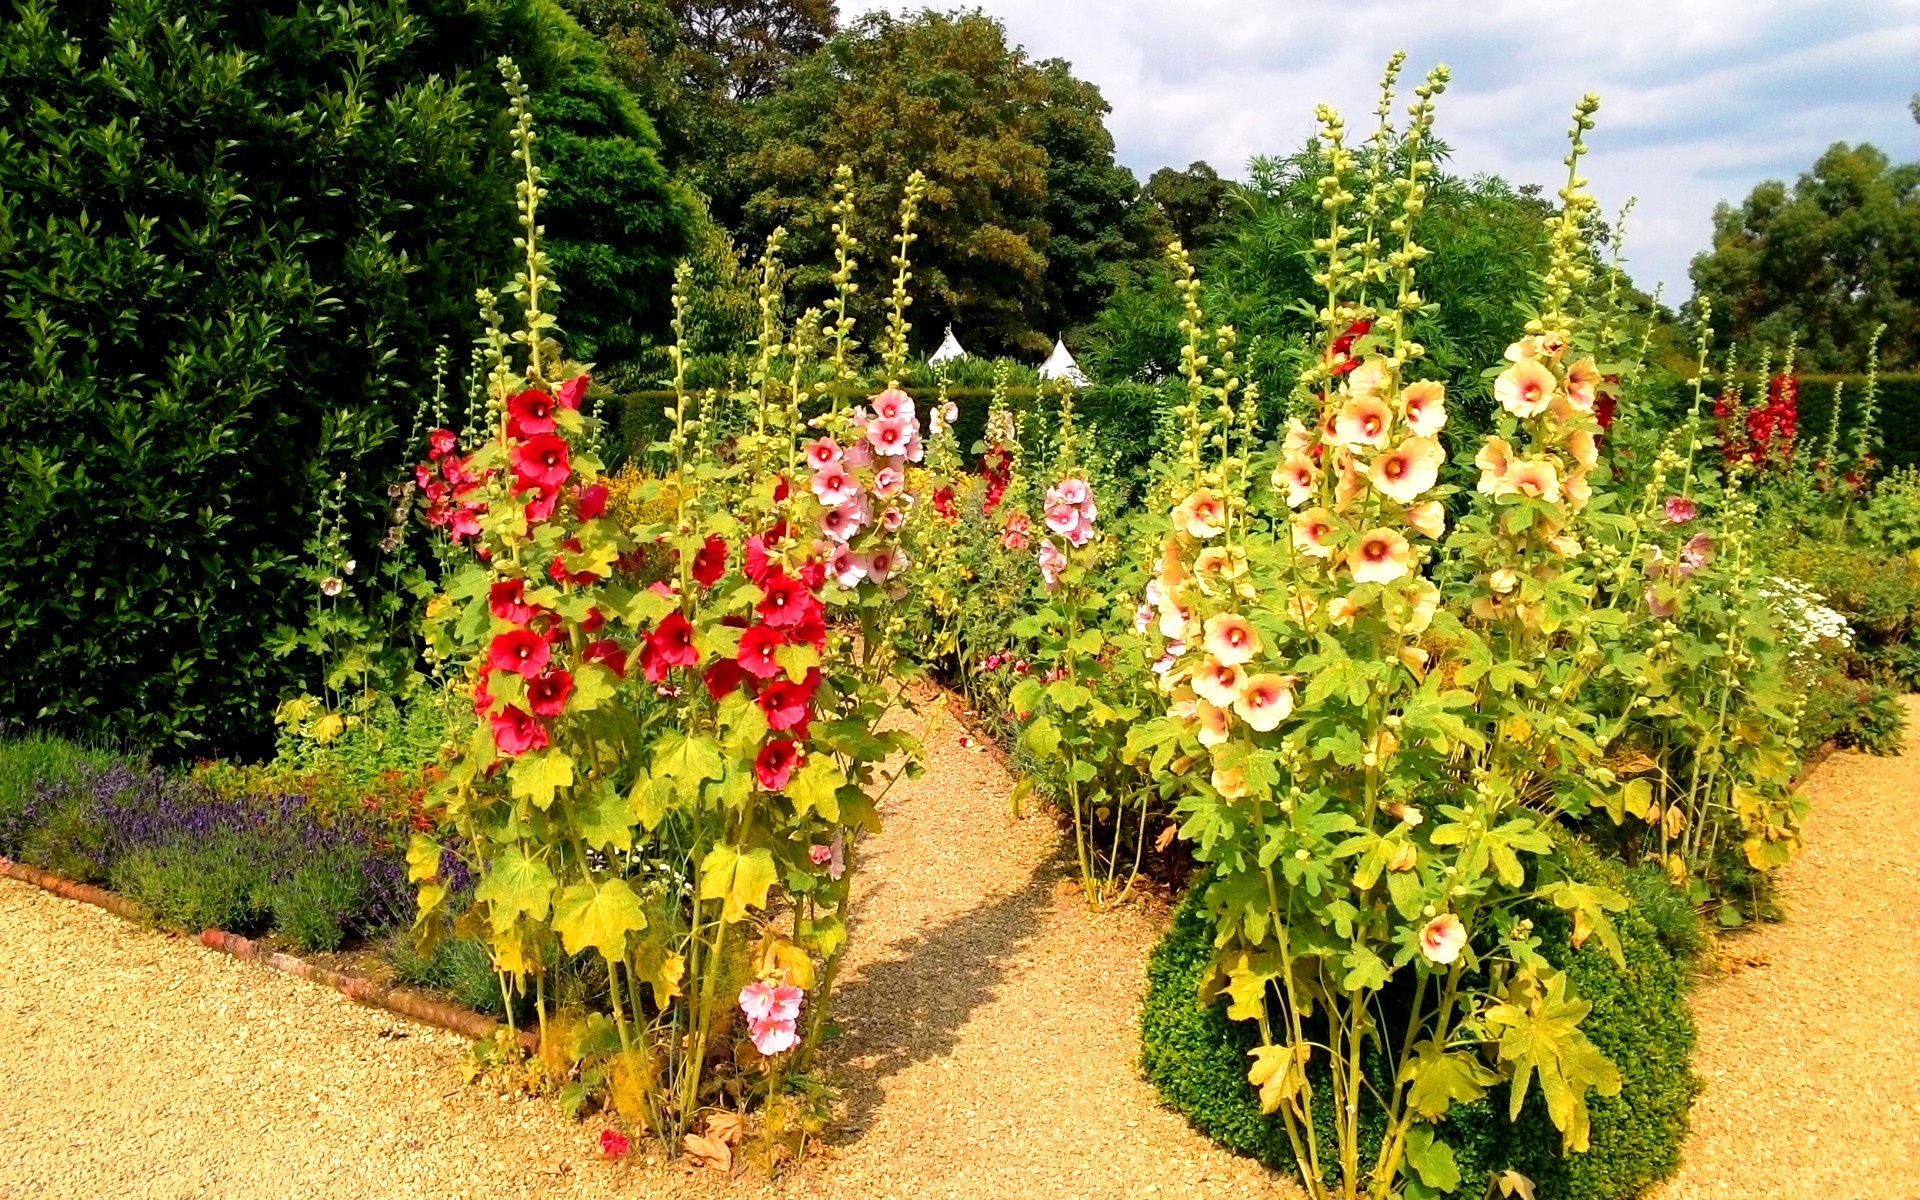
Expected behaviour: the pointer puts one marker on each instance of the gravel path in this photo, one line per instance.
(989, 1046)
(1810, 1042)
(988, 1054)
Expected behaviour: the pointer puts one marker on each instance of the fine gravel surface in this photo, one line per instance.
(1810, 1036)
(989, 1051)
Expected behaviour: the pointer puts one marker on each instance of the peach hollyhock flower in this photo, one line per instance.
(1201, 515)
(1265, 701)
(1564, 544)
(1584, 447)
(1442, 939)
(1230, 639)
(1218, 683)
(1313, 532)
(1408, 469)
(1172, 568)
(1524, 389)
(1297, 476)
(1415, 659)
(1534, 477)
(1351, 483)
(1504, 580)
(1230, 782)
(1214, 722)
(1364, 421)
(1367, 379)
(1424, 403)
(1582, 379)
(1423, 601)
(1578, 491)
(1524, 349)
(1494, 459)
(1222, 562)
(1406, 858)
(1381, 556)
(1342, 611)
(1174, 621)
(1428, 518)
(1299, 438)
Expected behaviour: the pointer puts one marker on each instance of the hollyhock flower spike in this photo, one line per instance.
(1442, 939)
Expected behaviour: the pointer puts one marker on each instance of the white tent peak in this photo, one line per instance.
(1062, 366)
(949, 350)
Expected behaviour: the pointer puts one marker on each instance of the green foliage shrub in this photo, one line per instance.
(196, 885)
(38, 758)
(315, 906)
(1197, 1059)
(459, 968)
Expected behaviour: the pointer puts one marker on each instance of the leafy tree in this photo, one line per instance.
(1832, 256)
(230, 236)
(744, 47)
(1197, 205)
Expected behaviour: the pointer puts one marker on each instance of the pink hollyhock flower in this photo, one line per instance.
(756, 651)
(547, 692)
(1062, 517)
(884, 563)
(541, 461)
(572, 391)
(858, 455)
(439, 442)
(614, 1144)
(710, 561)
(1442, 939)
(1074, 492)
(482, 698)
(1381, 557)
(1680, 510)
(1657, 606)
(835, 485)
(1052, 561)
(609, 654)
(890, 436)
(775, 763)
(1142, 617)
(844, 523)
(846, 567)
(893, 403)
(888, 482)
(519, 650)
(772, 1016)
(786, 602)
(529, 413)
(820, 855)
(823, 453)
(507, 600)
(1081, 531)
(591, 501)
(1583, 378)
(1698, 552)
(516, 732)
(892, 519)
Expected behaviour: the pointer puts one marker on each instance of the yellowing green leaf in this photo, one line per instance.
(597, 916)
(593, 685)
(739, 881)
(423, 859)
(514, 883)
(796, 659)
(1432, 1159)
(1441, 1079)
(1279, 1072)
(815, 787)
(605, 820)
(536, 774)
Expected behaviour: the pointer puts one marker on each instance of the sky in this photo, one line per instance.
(1700, 99)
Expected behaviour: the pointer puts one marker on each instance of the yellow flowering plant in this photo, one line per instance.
(1372, 765)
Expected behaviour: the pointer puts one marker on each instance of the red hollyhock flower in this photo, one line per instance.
(516, 732)
(520, 650)
(787, 600)
(813, 573)
(441, 441)
(540, 508)
(547, 692)
(1603, 410)
(788, 704)
(669, 645)
(756, 650)
(482, 698)
(529, 413)
(781, 489)
(608, 654)
(723, 676)
(541, 461)
(570, 392)
(945, 503)
(591, 502)
(465, 524)
(612, 1143)
(592, 622)
(810, 632)
(774, 765)
(508, 601)
(710, 561)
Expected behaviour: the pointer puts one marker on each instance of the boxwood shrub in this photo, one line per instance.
(1196, 1058)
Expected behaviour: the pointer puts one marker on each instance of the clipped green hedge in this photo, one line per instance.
(1197, 1059)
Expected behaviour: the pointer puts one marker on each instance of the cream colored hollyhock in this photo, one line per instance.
(1313, 532)
(1524, 389)
(1364, 421)
(1494, 460)
(1201, 515)
(1341, 611)
(1220, 562)
(1504, 580)
(1425, 406)
(1577, 490)
(1535, 477)
(1299, 437)
(1218, 683)
(1443, 938)
(1524, 349)
(1428, 518)
(1564, 544)
(1584, 447)
(1297, 476)
(1301, 606)
(1406, 858)
(1230, 782)
(1583, 381)
(1265, 701)
(1423, 601)
(1230, 639)
(1367, 379)
(1351, 483)
(1415, 659)
(1174, 622)
(1381, 556)
(1215, 722)
(1408, 469)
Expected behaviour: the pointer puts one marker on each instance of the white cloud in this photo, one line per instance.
(1701, 99)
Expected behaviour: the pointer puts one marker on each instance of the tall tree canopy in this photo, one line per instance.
(1830, 257)
(1197, 205)
(1024, 198)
